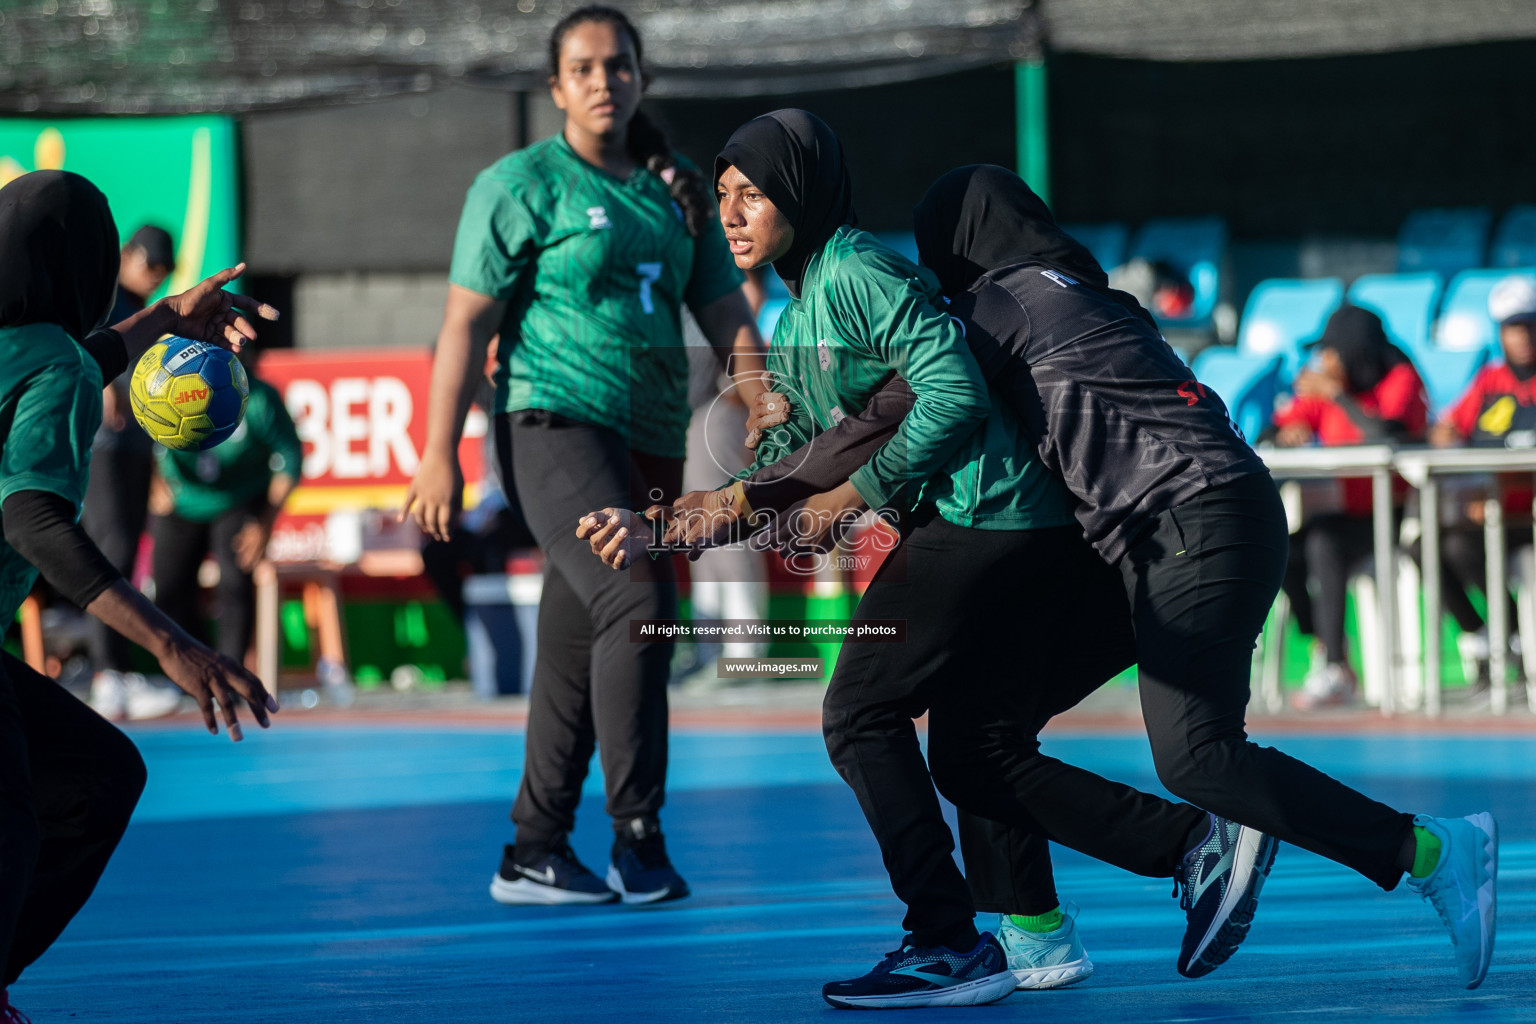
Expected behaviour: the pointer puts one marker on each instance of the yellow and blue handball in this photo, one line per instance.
(188, 395)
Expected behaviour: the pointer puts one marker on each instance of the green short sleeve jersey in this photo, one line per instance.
(594, 269)
(50, 407)
(865, 313)
(207, 484)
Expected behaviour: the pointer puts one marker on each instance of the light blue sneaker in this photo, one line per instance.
(1042, 960)
(1461, 888)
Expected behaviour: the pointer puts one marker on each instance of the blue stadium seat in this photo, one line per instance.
(1105, 241)
(1464, 322)
(1284, 314)
(1447, 373)
(1196, 246)
(1405, 302)
(1247, 384)
(1448, 240)
(1514, 243)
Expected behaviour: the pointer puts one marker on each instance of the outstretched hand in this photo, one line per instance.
(209, 677)
(206, 312)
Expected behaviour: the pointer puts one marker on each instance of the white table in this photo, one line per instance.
(1420, 467)
(1375, 461)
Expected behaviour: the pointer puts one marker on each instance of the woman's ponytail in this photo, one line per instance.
(648, 145)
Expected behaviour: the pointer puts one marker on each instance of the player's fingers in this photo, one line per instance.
(614, 548)
(754, 438)
(252, 692)
(225, 276)
(227, 706)
(602, 538)
(251, 305)
(442, 521)
(240, 325)
(205, 705)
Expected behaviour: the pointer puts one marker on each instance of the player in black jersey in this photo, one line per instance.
(1175, 499)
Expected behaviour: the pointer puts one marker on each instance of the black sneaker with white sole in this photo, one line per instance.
(641, 871)
(914, 976)
(1221, 879)
(555, 876)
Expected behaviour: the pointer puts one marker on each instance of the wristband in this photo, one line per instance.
(742, 504)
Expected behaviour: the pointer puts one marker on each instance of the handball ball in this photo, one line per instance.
(188, 395)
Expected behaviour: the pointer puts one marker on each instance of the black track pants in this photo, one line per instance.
(1200, 582)
(592, 687)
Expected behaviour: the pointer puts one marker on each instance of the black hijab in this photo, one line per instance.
(982, 217)
(58, 253)
(1357, 336)
(798, 163)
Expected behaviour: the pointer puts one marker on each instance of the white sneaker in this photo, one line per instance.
(143, 699)
(109, 698)
(1041, 960)
(1462, 888)
(1333, 687)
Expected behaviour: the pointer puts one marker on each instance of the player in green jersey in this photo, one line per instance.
(580, 251)
(69, 780)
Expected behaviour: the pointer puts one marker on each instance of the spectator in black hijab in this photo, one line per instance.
(1361, 389)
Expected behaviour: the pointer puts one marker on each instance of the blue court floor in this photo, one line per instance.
(339, 875)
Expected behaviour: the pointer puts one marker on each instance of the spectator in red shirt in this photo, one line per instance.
(1361, 389)
(1497, 410)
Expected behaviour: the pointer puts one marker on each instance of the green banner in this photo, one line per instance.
(179, 173)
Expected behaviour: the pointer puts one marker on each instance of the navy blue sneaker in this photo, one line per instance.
(1221, 879)
(640, 871)
(927, 976)
(554, 877)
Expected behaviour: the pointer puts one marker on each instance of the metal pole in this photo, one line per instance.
(1498, 604)
(1429, 518)
(1386, 586)
(1032, 125)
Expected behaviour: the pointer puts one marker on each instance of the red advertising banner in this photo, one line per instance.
(362, 417)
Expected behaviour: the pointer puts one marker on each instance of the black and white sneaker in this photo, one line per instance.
(641, 872)
(915, 976)
(1221, 879)
(554, 878)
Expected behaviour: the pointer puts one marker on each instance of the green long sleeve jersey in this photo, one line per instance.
(865, 313)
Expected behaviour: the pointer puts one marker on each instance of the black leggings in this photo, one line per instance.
(1004, 630)
(69, 781)
(180, 546)
(592, 686)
